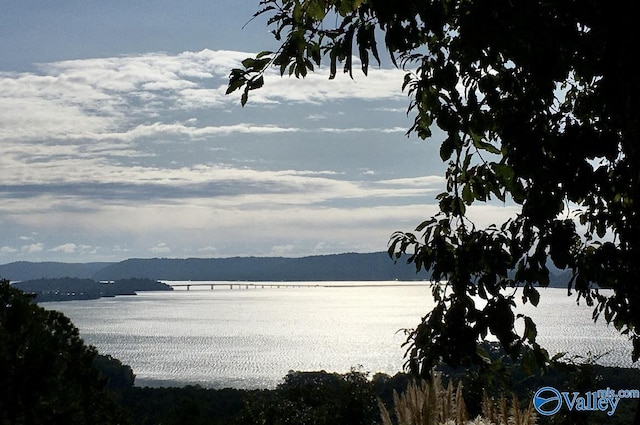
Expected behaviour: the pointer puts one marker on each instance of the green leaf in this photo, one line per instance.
(460, 208)
(467, 194)
(263, 54)
(446, 149)
(316, 10)
(248, 63)
(530, 329)
(424, 224)
(504, 173)
(364, 59)
(297, 13)
(333, 63)
(236, 81)
(313, 51)
(256, 83)
(347, 45)
(245, 96)
(487, 147)
(534, 296)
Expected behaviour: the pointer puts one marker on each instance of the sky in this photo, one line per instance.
(117, 141)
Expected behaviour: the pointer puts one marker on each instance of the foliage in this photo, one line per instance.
(502, 412)
(430, 403)
(314, 398)
(427, 404)
(47, 370)
(117, 374)
(190, 405)
(539, 102)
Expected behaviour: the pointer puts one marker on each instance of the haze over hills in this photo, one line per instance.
(338, 267)
(26, 270)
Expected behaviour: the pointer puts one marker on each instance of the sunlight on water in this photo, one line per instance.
(564, 326)
(250, 338)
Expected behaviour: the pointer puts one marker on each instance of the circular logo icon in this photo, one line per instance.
(547, 401)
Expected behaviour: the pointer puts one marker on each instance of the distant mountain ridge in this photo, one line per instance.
(375, 266)
(337, 267)
(27, 270)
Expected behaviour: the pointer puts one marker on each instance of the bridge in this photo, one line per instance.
(263, 285)
(237, 285)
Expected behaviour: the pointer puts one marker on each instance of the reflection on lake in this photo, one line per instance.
(250, 338)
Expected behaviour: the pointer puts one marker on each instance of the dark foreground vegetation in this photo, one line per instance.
(319, 398)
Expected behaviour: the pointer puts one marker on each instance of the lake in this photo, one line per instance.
(251, 338)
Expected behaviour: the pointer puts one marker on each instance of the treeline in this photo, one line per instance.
(323, 398)
(302, 398)
(66, 289)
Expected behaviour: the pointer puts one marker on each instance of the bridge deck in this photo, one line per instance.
(255, 285)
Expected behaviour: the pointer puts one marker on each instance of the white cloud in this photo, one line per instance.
(67, 248)
(33, 248)
(97, 98)
(115, 149)
(421, 181)
(160, 248)
(42, 119)
(283, 250)
(209, 250)
(317, 88)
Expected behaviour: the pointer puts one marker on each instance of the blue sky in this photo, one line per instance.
(117, 141)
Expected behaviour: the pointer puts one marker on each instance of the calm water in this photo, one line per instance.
(250, 338)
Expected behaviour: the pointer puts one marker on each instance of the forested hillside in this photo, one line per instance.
(337, 267)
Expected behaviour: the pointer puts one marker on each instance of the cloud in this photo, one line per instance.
(114, 150)
(208, 250)
(155, 129)
(67, 248)
(77, 184)
(96, 98)
(161, 248)
(33, 248)
(95, 126)
(283, 250)
(380, 84)
(419, 181)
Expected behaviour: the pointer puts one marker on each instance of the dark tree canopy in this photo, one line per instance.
(540, 104)
(47, 374)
